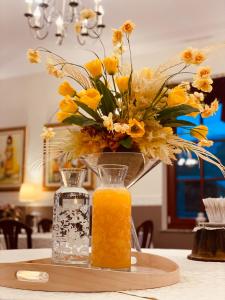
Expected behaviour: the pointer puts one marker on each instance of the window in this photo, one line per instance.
(190, 181)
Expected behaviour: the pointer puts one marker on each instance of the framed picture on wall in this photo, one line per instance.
(12, 158)
(52, 162)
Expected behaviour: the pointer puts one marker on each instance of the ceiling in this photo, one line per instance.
(164, 27)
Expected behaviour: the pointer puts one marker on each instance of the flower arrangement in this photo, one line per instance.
(119, 108)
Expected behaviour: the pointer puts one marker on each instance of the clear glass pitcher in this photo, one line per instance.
(71, 219)
(111, 220)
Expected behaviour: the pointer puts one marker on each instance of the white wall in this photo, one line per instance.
(31, 101)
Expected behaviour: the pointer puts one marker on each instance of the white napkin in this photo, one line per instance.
(215, 209)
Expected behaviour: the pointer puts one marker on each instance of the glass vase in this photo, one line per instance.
(71, 219)
(111, 220)
(138, 166)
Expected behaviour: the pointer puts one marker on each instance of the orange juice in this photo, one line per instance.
(111, 228)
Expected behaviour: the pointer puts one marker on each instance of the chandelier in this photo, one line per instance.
(87, 22)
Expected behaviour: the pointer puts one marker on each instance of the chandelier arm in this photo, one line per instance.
(80, 40)
(32, 24)
(72, 15)
(44, 9)
(39, 36)
(49, 11)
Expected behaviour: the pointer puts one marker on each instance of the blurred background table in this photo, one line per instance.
(199, 280)
(39, 240)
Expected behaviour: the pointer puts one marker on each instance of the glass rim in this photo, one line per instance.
(113, 166)
(119, 152)
(73, 169)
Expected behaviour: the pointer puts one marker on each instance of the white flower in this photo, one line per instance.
(199, 96)
(122, 128)
(47, 133)
(108, 121)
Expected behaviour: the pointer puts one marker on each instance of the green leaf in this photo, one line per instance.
(177, 123)
(108, 103)
(126, 143)
(80, 121)
(88, 110)
(176, 111)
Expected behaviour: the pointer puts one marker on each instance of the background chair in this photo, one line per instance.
(45, 225)
(10, 229)
(145, 234)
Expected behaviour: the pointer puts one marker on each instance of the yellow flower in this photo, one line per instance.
(177, 96)
(199, 57)
(136, 128)
(68, 105)
(87, 14)
(122, 83)
(193, 102)
(66, 89)
(204, 72)
(187, 55)
(111, 64)
(199, 96)
(203, 84)
(128, 27)
(48, 133)
(210, 110)
(108, 121)
(199, 132)
(52, 70)
(117, 36)
(61, 116)
(94, 67)
(192, 56)
(205, 143)
(91, 97)
(33, 56)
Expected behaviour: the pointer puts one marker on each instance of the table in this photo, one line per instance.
(39, 240)
(199, 280)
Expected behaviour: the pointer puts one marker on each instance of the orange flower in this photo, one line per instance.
(210, 110)
(136, 128)
(61, 116)
(91, 97)
(117, 36)
(199, 57)
(122, 83)
(66, 89)
(177, 96)
(33, 56)
(94, 67)
(128, 27)
(52, 70)
(199, 132)
(203, 84)
(205, 143)
(111, 64)
(68, 105)
(204, 72)
(187, 55)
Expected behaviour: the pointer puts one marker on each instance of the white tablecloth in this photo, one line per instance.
(199, 280)
(39, 240)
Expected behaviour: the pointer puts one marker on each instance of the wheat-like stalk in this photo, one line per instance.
(73, 71)
(200, 152)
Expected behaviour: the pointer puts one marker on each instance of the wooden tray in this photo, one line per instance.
(151, 271)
